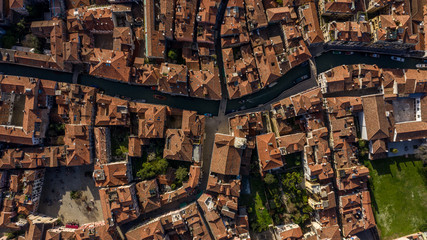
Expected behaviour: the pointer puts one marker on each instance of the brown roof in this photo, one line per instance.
(119, 204)
(377, 125)
(32, 157)
(410, 131)
(173, 78)
(111, 174)
(310, 23)
(192, 123)
(227, 188)
(286, 14)
(78, 146)
(194, 176)
(148, 195)
(153, 231)
(351, 31)
(255, 14)
(225, 156)
(268, 152)
(111, 111)
(292, 143)
(109, 64)
(204, 84)
(178, 146)
(152, 125)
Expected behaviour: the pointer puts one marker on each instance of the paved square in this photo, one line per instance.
(56, 200)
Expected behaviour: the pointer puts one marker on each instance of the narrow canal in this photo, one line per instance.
(324, 62)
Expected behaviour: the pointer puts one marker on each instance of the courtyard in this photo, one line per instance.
(404, 109)
(56, 199)
(399, 191)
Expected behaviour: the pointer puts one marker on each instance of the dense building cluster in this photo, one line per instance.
(32, 108)
(170, 45)
(156, 172)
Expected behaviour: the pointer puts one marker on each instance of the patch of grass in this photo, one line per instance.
(399, 191)
(256, 203)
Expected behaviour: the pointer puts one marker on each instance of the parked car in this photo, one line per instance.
(336, 52)
(374, 55)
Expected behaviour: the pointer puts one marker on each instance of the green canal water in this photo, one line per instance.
(324, 62)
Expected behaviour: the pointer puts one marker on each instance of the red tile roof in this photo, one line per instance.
(225, 156)
(268, 152)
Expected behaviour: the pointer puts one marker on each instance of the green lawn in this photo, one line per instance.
(259, 217)
(399, 196)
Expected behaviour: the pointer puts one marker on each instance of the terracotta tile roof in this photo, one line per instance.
(77, 145)
(377, 125)
(174, 196)
(255, 14)
(409, 131)
(178, 146)
(77, 3)
(225, 156)
(298, 54)
(285, 14)
(345, 156)
(122, 39)
(147, 75)
(338, 7)
(394, 28)
(148, 195)
(227, 188)
(152, 125)
(43, 28)
(207, 11)
(343, 106)
(28, 96)
(354, 178)
(247, 126)
(192, 123)
(16, 4)
(75, 103)
(185, 19)
(102, 142)
(155, 40)
(153, 231)
(291, 234)
(204, 84)
(119, 204)
(336, 78)
(135, 149)
(194, 176)
(215, 223)
(350, 31)
(94, 231)
(32, 157)
(112, 174)
(110, 64)
(111, 111)
(292, 143)
(173, 78)
(241, 74)
(343, 131)
(268, 152)
(356, 213)
(310, 23)
(268, 67)
(416, 81)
